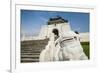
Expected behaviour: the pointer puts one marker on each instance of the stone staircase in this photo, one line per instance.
(30, 50)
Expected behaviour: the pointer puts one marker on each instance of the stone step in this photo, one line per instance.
(30, 53)
(35, 51)
(29, 56)
(31, 49)
(38, 47)
(25, 60)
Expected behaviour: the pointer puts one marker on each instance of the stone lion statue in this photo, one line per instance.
(64, 48)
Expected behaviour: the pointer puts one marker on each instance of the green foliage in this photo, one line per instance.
(86, 48)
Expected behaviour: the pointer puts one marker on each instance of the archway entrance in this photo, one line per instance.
(56, 33)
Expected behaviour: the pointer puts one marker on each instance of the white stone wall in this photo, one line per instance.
(43, 31)
(84, 37)
(47, 29)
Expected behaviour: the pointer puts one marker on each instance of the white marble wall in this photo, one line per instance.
(62, 28)
(47, 29)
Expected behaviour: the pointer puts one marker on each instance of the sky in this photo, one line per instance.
(32, 20)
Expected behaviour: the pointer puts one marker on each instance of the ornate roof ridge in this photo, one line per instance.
(56, 20)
